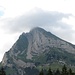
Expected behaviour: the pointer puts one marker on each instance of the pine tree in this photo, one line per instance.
(41, 72)
(57, 72)
(70, 72)
(64, 70)
(50, 72)
(2, 72)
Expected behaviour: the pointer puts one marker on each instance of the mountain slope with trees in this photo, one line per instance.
(36, 49)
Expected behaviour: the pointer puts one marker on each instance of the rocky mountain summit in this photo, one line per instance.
(37, 48)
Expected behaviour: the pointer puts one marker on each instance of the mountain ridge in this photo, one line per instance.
(36, 48)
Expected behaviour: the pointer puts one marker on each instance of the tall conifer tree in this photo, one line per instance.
(64, 70)
(50, 72)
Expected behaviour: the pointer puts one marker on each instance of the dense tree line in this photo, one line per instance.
(64, 71)
(2, 72)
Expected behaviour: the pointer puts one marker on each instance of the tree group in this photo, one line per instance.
(64, 71)
(2, 72)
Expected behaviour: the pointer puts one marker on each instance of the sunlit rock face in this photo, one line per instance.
(35, 48)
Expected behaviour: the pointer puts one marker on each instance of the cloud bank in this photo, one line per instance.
(36, 18)
(51, 21)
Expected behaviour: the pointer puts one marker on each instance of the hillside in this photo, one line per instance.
(36, 49)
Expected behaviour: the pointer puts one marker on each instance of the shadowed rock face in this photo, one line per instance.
(33, 46)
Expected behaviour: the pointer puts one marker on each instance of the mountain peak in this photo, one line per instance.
(36, 29)
(36, 48)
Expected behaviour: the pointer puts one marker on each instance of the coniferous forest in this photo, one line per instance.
(64, 71)
(2, 72)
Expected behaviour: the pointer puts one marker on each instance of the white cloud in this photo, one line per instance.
(36, 18)
(18, 7)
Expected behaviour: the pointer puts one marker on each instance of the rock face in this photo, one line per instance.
(36, 48)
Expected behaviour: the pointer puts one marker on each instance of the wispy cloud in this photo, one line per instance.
(36, 18)
(51, 21)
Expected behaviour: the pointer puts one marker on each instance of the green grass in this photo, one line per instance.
(54, 66)
(0, 65)
(41, 58)
(10, 71)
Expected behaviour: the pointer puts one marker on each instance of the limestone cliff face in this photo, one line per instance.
(33, 44)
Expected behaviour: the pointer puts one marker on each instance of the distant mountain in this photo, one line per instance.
(37, 49)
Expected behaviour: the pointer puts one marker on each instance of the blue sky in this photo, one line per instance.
(17, 16)
(1, 13)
